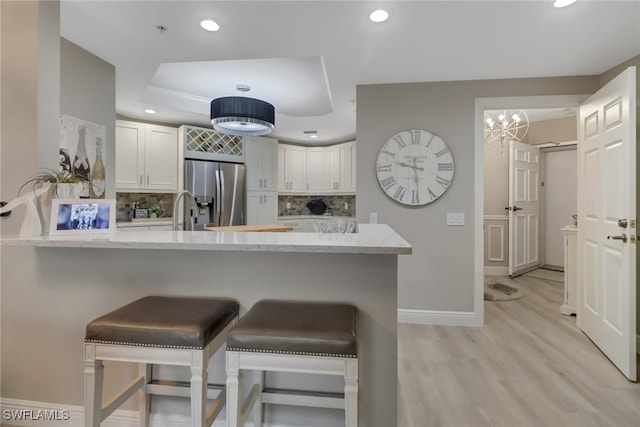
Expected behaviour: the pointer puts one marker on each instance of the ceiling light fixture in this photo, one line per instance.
(563, 3)
(150, 111)
(209, 25)
(379, 15)
(504, 126)
(242, 116)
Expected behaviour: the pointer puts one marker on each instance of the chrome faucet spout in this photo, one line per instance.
(176, 205)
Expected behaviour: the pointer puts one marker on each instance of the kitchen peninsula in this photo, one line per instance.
(73, 279)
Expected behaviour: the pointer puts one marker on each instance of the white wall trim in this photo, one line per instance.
(119, 418)
(496, 271)
(434, 317)
(496, 217)
(495, 254)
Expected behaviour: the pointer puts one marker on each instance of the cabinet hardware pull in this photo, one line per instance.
(140, 179)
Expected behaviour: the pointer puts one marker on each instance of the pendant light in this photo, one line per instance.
(242, 116)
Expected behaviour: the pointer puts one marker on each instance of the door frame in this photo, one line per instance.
(497, 103)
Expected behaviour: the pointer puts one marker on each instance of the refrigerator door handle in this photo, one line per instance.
(222, 199)
(217, 201)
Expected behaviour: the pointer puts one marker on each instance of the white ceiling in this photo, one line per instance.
(307, 57)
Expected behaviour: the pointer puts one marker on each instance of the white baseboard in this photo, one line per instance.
(432, 317)
(496, 271)
(44, 414)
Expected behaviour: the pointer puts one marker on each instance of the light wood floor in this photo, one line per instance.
(528, 366)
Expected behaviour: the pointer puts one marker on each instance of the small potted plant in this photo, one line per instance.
(155, 210)
(64, 184)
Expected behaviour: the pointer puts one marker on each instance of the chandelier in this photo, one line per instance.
(240, 115)
(503, 126)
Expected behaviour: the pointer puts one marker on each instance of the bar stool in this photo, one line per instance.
(286, 336)
(157, 330)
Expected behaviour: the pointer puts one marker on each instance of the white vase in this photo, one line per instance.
(69, 190)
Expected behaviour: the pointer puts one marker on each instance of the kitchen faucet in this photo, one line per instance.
(176, 204)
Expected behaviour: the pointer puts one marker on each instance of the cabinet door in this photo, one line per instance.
(261, 158)
(161, 158)
(295, 169)
(262, 207)
(129, 155)
(333, 168)
(347, 171)
(317, 170)
(282, 176)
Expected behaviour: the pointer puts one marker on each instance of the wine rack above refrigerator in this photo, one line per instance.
(208, 144)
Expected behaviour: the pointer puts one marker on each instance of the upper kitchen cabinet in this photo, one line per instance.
(292, 175)
(317, 181)
(146, 158)
(342, 167)
(261, 158)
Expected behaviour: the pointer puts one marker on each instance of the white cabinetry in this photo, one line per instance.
(292, 176)
(261, 156)
(341, 167)
(317, 181)
(262, 207)
(317, 170)
(262, 163)
(146, 157)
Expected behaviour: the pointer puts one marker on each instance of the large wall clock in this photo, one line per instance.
(414, 167)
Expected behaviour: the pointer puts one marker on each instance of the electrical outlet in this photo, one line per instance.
(373, 217)
(346, 205)
(288, 205)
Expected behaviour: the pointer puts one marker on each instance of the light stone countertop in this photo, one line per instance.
(370, 239)
(327, 217)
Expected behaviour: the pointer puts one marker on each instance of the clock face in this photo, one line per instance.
(414, 167)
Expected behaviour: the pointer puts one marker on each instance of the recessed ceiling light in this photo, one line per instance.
(209, 25)
(313, 136)
(150, 111)
(379, 15)
(563, 3)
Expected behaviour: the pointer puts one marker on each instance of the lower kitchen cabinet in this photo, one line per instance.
(262, 207)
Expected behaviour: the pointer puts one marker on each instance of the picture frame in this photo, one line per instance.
(82, 216)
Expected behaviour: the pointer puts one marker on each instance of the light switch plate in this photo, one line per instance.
(373, 217)
(455, 219)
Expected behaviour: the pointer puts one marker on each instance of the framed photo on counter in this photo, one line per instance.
(82, 216)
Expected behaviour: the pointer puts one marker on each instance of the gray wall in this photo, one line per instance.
(88, 92)
(439, 274)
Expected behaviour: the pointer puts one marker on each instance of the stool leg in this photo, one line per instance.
(198, 389)
(233, 389)
(351, 393)
(93, 376)
(258, 379)
(145, 370)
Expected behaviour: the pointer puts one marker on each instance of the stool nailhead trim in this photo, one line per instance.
(295, 353)
(137, 344)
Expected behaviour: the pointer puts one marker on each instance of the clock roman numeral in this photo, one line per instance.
(388, 153)
(399, 194)
(445, 166)
(387, 183)
(431, 193)
(400, 141)
(442, 181)
(415, 198)
(415, 137)
(442, 152)
(384, 168)
(430, 140)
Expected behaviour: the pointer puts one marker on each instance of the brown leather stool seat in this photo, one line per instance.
(293, 336)
(158, 330)
(160, 321)
(306, 328)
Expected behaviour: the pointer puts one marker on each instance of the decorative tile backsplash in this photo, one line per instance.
(125, 201)
(299, 205)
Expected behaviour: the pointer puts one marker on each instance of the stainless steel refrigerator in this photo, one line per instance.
(219, 189)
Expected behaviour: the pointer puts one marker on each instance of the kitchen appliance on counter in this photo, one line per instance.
(219, 191)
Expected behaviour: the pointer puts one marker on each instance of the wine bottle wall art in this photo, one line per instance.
(82, 153)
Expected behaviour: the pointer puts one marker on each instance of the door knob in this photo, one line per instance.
(623, 237)
(623, 223)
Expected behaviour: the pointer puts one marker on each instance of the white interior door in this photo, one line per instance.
(524, 207)
(606, 200)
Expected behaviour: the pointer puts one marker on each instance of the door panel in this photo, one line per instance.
(523, 207)
(606, 309)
